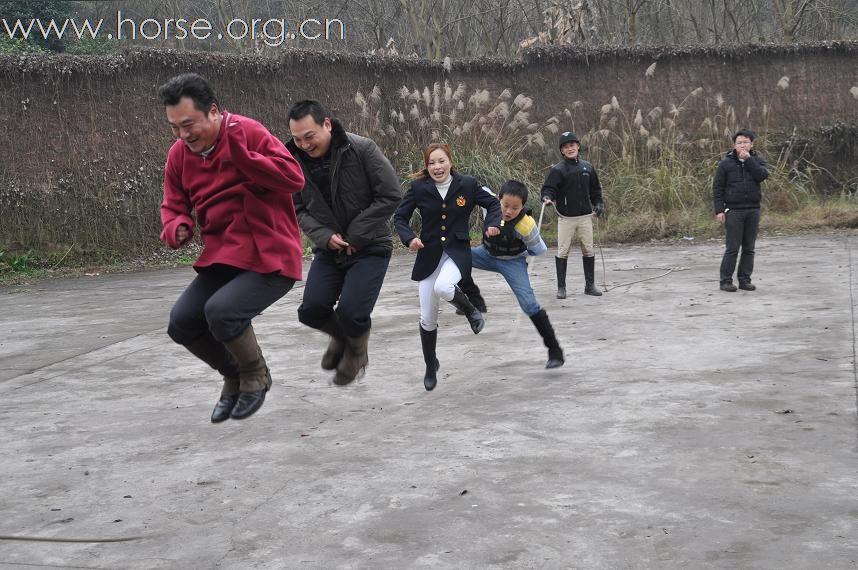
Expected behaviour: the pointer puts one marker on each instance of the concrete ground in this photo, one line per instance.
(690, 428)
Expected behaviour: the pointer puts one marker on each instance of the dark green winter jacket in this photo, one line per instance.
(365, 192)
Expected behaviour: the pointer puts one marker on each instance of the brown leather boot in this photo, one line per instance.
(337, 344)
(254, 377)
(354, 360)
(215, 354)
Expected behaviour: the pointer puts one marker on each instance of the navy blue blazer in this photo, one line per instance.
(445, 223)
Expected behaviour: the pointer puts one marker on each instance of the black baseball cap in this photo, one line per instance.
(568, 137)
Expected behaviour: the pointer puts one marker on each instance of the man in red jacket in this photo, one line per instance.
(239, 180)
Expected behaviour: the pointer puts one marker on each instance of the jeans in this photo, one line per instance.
(351, 283)
(514, 271)
(741, 227)
(223, 300)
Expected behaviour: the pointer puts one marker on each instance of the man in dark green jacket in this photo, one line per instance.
(350, 193)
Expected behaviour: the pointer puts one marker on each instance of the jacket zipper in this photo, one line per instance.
(744, 181)
(335, 170)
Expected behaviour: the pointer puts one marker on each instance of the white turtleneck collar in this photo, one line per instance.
(444, 186)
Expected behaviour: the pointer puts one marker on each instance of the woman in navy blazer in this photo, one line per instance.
(445, 200)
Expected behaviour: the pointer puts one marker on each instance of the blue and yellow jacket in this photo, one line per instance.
(519, 237)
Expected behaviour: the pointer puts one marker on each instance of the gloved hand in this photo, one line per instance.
(599, 209)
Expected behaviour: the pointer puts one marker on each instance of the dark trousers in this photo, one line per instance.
(351, 283)
(742, 227)
(222, 300)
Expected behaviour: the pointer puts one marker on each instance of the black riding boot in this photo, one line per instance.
(561, 262)
(475, 318)
(543, 325)
(429, 339)
(469, 288)
(590, 277)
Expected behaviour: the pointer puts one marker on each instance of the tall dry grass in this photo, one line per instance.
(656, 165)
(492, 135)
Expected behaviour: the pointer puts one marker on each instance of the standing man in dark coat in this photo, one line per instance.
(572, 186)
(350, 193)
(736, 193)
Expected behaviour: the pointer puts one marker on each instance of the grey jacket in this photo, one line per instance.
(365, 192)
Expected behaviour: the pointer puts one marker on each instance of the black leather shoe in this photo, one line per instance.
(555, 359)
(222, 409)
(747, 286)
(728, 286)
(430, 380)
(591, 289)
(248, 403)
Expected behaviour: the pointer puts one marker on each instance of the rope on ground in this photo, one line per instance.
(74, 540)
(598, 240)
(601, 254)
(527, 259)
(852, 314)
(668, 271)
(529, 263)
(55, 265)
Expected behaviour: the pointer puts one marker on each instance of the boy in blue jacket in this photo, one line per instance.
(507, 253)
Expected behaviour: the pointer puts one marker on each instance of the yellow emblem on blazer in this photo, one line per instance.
(460, 201)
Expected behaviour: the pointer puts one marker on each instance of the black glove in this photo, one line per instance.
(599, 209)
